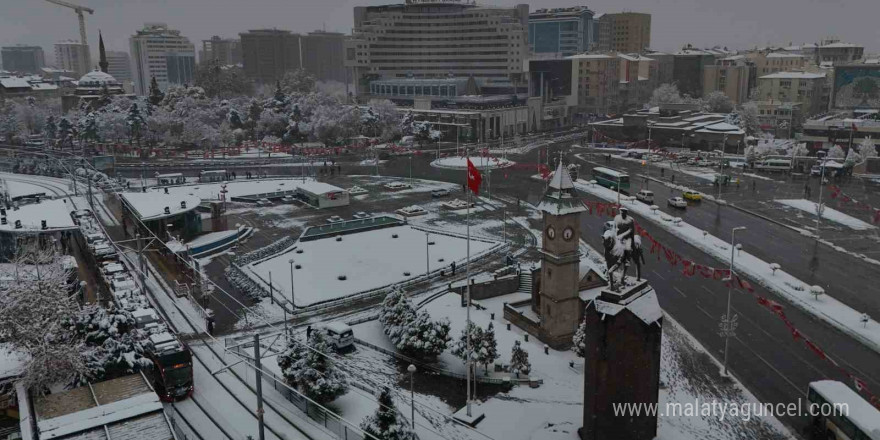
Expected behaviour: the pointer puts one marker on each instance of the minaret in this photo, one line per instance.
(103, 62)
(557, 301)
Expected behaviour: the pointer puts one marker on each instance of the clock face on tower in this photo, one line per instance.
(551, 232)
(568, 234)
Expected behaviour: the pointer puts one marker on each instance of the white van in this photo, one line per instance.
(339, 335)
(645, 196)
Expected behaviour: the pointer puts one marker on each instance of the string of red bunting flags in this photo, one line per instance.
(691, 268)
(837, 193)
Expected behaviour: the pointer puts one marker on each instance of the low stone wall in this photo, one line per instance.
(512, 315)
(502, 285)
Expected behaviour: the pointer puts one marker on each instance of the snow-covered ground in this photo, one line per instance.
(827, 213)
(782, 283)
(481, 162)
(246, 187)
(368, 260)
(555, 409)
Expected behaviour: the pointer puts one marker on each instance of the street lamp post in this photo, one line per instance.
(427, 253)
(292, 305)
(821, 155)
(412, 394)
(728, 331)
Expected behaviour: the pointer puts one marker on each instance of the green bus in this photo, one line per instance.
(839, 413)
(610, 178)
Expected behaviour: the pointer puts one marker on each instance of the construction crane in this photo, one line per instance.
(79, 12)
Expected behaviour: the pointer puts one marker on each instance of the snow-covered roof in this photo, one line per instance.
(722, 127)
(839, 45)
(56, 213)
(561, 179)
(97, 78)
(318, 188)
(14, 83)
(125, 407)
(43, 86)
(793, 75)
(590, 56)
(151, 205)
(645, 306)
(861, 413)
(784, 55)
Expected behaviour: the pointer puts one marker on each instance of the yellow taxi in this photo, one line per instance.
(692, 195)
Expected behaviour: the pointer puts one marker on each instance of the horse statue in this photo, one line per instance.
(622, 248)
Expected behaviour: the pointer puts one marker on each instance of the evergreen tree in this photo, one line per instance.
(136, 123)
(65, 131)
(51, 128)
(155, 95)
(235, 119)
(279, 99)
(255, 112)
(88, 128)
(113, 343)
(577, 340)
(488, 351)
(385, 424)
(519, 360)
(423, 338)
(460, 349)
(309, 369)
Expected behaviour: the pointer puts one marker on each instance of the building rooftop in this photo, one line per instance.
(784, 55)
(839, 45)
(793, 75)
(592, 56)
(56, 213)
(151, 205)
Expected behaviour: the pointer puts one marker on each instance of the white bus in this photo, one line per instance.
(839, 413)
(773, 165)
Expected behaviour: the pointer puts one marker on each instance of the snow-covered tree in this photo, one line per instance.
(852, 158)
(113, 343)
(387, 423)
(577, 341)
(88, 128)
(10, 126)
(748, 118)
(488, 351)
(836, 152)
(460, 348)
(297, 82)
(388, 119)
(665, 94)
(519, 359)
(35, 307)
(717, 102)
(800, 150)
(310, 369)
(424, 338)
(867, 148)
(223, 81)
(235, 120)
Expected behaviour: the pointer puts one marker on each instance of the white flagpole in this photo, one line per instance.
(468, 290)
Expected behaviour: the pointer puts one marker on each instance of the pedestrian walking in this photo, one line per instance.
(308, 332)
(453, 268)
(673, 178)
(754, 186)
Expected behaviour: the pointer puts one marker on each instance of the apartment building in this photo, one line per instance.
(160, 52)
(73, 56)
(561, 32)
(731, 76)
(624, 32)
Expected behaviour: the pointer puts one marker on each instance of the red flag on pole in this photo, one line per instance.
(473, 177)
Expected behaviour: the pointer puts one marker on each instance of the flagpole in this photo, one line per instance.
(468, 290)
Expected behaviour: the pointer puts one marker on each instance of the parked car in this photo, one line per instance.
(335, 219)
(339, 335)
(361, 215)
(263, 202)
(677, 202)
(692, 195)
(440, 193)
(645, 196)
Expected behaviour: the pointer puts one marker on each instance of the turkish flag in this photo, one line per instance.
(473, 177)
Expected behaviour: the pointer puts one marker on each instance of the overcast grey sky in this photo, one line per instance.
(704, 23)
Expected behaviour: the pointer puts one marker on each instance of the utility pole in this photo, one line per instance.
(259, 375)
(140, 260)
(729, 321)
(819, 208)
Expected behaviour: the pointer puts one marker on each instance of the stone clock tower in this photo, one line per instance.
(557, 300)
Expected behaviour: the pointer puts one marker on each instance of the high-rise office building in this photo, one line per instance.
(73, 56)
(23, 59)
(628, 32)
(119, 65)
(426, 39)
(223, 51)
(323, 55)
(268, 53)
(160, 52)
(561, 31)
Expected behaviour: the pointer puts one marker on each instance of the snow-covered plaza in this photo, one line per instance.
(332, 268)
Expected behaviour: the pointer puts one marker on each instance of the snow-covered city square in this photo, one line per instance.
(439, 220)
